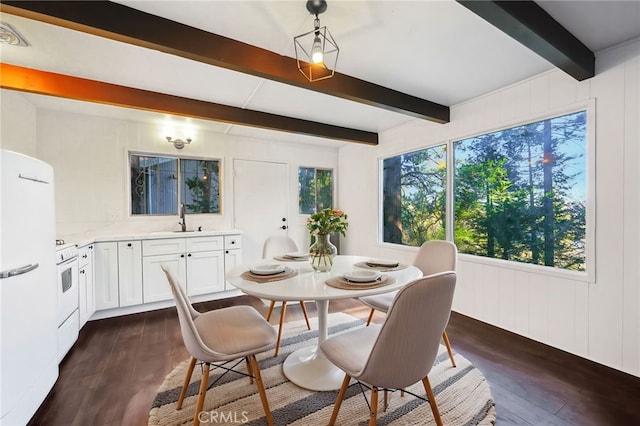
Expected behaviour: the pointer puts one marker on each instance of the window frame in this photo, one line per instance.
(178, 183)
(333, 187)
(589, 275)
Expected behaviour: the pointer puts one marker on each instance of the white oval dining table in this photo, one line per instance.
(307, 367)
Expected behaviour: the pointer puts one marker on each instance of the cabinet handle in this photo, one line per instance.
(91, 247)
(82, 271)
(233, 242)
(128, 244)
(182, 255)
(227, 251)
(284, 227)
(84, 256)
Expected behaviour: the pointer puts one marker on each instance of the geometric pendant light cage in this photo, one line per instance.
(316, 51)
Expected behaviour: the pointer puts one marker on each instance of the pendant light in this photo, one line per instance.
(316, 50)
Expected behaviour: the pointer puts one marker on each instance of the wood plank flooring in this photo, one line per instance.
(111, 375)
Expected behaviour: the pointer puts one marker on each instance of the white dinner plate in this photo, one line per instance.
(267, 269)
(363, 276)
(383, 262)
(297, 255)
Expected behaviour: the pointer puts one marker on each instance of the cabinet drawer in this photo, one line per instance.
(195, 244)
(85, 255)
(163, 246)
(232, 242)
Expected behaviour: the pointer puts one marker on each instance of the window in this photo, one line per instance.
(414, 196)
(520, 193)
(315, 190)
(160, 184)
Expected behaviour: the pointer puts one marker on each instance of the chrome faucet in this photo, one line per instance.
(183, 222)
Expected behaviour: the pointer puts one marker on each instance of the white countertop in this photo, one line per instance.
(87, 238)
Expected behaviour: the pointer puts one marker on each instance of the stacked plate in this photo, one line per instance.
(298, 255)
(382, 263)
(267, 269)
(362, 276)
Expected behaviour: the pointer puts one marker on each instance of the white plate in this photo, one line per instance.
(267, 269)
(362, 276)
(383, 262)
(297, 255)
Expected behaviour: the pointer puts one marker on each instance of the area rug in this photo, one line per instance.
(462, 393)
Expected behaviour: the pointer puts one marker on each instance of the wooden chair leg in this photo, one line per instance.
(185, 384)
(263, 395)
(304, 311)
(203, 392)
(432, 400)
(448, 345)
(386, 400)
(373, 414)
(271, 305)
(373, 311)
(282, 313)
(249, 370)
(336, 407)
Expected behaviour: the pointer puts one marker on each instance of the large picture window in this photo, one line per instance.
(315, 190)
(520, 193)
(414, 196)
(160, 184)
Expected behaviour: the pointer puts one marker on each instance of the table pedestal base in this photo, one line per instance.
(308, 368)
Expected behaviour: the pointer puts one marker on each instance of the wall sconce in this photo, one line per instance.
(178, 143)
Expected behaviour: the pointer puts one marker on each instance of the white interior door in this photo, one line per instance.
(260, 203)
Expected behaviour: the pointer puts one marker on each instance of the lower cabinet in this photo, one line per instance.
(86, 290)
(128, 273)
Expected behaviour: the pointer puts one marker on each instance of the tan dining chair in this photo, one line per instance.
(433, 257)
(218, 337)
(278, 245)
(401, 351)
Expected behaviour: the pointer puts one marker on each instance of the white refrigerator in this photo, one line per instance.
(28, 293)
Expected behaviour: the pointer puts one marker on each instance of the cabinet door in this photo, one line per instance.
(232, 258)
(130, 272)
(205, 272)
(86, 292)
(155, 286)
(106, 275)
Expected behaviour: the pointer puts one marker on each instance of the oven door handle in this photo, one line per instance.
(18, 271)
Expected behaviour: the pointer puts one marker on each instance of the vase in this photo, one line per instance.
(321, 253)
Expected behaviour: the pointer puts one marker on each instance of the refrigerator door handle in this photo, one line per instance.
(18, 271)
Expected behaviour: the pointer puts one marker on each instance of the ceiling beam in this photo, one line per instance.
(532, 26)
(125, 24)
(64, 86)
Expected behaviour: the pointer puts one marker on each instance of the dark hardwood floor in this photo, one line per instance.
(111, 375)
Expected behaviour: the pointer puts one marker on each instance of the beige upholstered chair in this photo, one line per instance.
(401, 351)
(277, 245)
(433, 257)
(221, 336)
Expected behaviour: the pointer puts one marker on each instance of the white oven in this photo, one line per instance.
(68, 317)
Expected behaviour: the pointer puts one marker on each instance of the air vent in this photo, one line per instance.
(11, 36)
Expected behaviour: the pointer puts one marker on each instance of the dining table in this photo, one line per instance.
(307, 367)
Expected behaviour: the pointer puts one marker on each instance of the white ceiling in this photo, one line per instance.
(435, 50)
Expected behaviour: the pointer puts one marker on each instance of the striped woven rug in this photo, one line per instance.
(462, 393)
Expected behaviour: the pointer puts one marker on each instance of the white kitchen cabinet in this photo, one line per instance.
(86, 290)
(198, 263)
(155, 286)
(129, 273)
(106, 275)
(232, 251)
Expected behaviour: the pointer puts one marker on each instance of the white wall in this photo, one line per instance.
(598, 320)
(89, 157)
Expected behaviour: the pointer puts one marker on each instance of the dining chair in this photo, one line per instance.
(433, 257)
(219, 337)
(402, 350)
(278, 245)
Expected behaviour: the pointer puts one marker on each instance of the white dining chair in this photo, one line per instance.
(278, 245)
(401, 351)
(433, 257)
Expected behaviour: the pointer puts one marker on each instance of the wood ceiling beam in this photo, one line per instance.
(125, 24)
(532, 26)
(46, 83)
